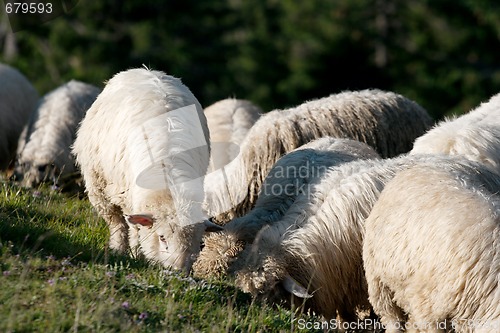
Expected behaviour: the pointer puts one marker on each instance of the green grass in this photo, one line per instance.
(56, 275)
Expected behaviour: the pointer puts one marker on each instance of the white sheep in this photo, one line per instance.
(45, 154)
(142, 148)
(229, 121)
(320, 252)
(474, 135)
(432, 251)
(18, 100)
(290, 177)
(386, 121)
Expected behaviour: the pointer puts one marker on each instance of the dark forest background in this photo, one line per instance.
(444, 54)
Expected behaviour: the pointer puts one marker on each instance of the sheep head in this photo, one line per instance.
(262, 269)
(220, 251)
(167, 242)
(33, 174)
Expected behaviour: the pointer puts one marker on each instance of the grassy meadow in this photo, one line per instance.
(56, 275)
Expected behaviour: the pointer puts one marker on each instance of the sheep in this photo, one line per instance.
(143, 147)
(289, 177)
(475, 135)
(319, 255)
(228, 122)
(18, 99)
(384, 120)
(44, 155)
(432, 251)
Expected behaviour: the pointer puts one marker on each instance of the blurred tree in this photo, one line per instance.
(278, 53)
(444, 53)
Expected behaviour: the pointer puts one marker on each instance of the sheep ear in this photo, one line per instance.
(145, 220)
(211, 227)
(295, 288)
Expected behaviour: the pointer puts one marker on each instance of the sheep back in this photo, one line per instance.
(386, 121)
(432, 250)
(474, 135)
(45, 153)
(18, 99)
(229, 121)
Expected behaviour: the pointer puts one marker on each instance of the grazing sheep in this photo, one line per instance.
(45, 154)
(386, 121)
(475, 135)
(18, 99)
(142, 148)
(289, 178)
(432, 250)
(229, 121)
(320, 254)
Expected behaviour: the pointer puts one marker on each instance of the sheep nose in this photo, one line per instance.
(42, 168)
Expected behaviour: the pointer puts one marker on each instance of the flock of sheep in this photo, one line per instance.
(352, 203)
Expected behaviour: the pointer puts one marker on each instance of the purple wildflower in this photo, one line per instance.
(66, 262)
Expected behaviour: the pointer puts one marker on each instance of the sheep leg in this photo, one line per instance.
(381, 298)
(112, 214)
(118, 231)
(133, 241)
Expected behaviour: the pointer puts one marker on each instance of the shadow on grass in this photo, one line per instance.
(34, 239)
(37, 229)
(17, 226)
